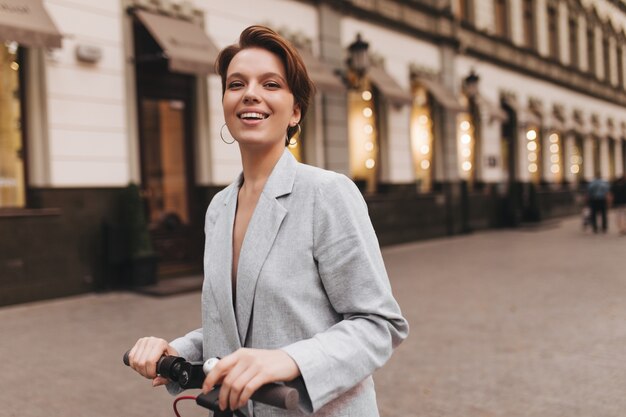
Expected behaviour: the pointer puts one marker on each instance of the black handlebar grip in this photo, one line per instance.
(126, 360)
(277, 395)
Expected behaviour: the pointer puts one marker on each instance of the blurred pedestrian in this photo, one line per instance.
(619, 201)
(598, 197)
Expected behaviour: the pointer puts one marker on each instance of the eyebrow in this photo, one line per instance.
(264, 75)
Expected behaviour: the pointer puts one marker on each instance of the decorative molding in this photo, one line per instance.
(595, 120)
(420, 70)
(558, 111)
(577, 116)
(429, 20)
(535, 105)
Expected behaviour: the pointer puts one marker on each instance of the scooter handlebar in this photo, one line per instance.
(276, 395)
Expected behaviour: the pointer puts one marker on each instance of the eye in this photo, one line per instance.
(272, 84)
(233, 85)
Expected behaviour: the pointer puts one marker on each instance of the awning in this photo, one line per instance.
(27, 22)
(492, 110)
(524, 116)
(389, 87)
(186, 46)
(321, 74)
(442, 95)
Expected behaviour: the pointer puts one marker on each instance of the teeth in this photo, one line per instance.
(252, 115)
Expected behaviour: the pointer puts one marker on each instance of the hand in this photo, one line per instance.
(143, 357)
(243, 372)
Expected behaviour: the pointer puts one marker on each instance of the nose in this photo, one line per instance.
(250, 95)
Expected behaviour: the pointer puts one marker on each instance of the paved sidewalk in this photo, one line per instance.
(516, 323)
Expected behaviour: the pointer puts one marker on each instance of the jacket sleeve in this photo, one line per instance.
(354, 277)
(189, 347)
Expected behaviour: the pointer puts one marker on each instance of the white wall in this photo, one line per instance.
(517, 28)
(484, 12)
(86, 103)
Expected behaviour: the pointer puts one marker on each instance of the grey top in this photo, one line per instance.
(311, 281)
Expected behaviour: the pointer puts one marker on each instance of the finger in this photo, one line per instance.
(149, 351)
(218, 372)
(138, 354)
(239, 386)
(156, 350)
(158, 381)
(143, 355)
(228, 390)
(251, 387)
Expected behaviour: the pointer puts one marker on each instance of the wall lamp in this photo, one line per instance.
(470, 84)
(358, 61)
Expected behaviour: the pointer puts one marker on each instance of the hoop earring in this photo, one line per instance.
(293, 138)
(222, 135)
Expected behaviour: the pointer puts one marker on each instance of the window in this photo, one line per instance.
(591, 50)
(466, 146)
(363, 104)
(502, 21)
(422, 138)
(596, 155)
(529, 23)
(606, 58)
(556, 156)
(573, 41)
(465, 10)
(620, 66)
(553, 33)
(535, 154)
(12, 166)
(576, 158)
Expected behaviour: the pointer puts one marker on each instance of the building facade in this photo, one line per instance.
(450, 115)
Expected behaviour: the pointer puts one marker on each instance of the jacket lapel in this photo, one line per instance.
(260, 235)
(219, 257)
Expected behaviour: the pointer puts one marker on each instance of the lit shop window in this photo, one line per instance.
(611, 143)
(576, 159)
(422, 139)
(556, 157)
(595, 151)
(533, 146)
(466, 143)
(363, 135)
(12, 186)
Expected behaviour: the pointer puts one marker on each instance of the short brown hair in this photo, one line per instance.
(298, 80)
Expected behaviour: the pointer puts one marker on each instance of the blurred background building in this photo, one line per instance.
(450, 115)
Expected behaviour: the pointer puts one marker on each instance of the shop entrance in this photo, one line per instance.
(165, 111)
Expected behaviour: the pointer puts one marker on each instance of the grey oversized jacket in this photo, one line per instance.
(310, 281)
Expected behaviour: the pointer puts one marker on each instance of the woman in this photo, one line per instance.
(295, 287)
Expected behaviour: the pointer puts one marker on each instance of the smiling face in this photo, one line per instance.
(258, 104)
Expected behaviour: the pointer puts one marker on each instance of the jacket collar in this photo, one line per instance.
(279, 183)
